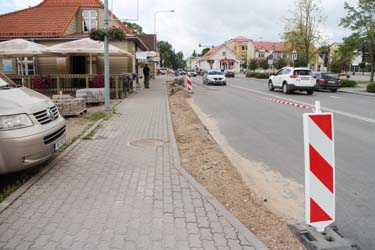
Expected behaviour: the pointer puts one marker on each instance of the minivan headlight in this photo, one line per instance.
(8, 122)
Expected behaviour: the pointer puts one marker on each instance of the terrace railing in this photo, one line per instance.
(120, 85)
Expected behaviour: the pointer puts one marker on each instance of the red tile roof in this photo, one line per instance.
(268, 46)
(210, 53)
(50, 18)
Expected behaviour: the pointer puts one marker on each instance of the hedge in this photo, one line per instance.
(371, 87)
(258, 75)
(348, 83)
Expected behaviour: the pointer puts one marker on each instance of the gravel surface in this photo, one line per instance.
(202, 157)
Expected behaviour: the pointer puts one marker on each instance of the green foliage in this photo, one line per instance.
(97, 116)
(135, 27)
(302, 28)
(253, 64)
(371, 88)
(97, 34)
(335, 65)
(361, 20)
(324, 50)
(258, 75)
(280, 63)
(169, 57)
(194, 54)
(114, 34)
(204, 51)
(348, 84)
(263, 64)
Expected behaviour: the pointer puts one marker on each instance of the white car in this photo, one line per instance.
(290, 79)
(214, 77)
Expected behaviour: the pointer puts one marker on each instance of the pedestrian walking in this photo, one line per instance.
(146, 74)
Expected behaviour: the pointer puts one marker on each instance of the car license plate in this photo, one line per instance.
(305, 78)
(333, 82)
(59, 144)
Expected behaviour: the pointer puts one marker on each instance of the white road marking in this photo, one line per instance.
(361, 118)
(336, 97)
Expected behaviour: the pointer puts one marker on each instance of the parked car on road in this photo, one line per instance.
(328, 81)
(31, 128)
(163, 71)
(214, 77)
(229, 73)
(290, 79)
(181, 72)
(192, 72)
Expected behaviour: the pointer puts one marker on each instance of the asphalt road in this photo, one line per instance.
(264, 131)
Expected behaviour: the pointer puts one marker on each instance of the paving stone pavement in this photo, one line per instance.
(122, 189)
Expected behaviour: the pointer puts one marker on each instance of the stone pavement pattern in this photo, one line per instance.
(110, 193)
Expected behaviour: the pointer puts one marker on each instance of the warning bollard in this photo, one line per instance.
(319, 169)
(189, 83)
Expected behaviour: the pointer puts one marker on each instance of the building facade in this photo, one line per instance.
(56, 21)
(220, 58)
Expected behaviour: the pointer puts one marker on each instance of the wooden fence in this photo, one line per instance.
(120, 85)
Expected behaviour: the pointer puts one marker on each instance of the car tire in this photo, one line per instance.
(310, 92)
(224, 84)
(270, 86)
(333, 90)
(286, 88)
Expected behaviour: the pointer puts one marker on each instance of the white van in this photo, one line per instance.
(31, 128)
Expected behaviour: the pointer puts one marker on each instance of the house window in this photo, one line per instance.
(26, 66)
(244, 48)
(89, 20)
(224, 53)
(261, 55)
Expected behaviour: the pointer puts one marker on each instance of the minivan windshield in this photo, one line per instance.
(5, 82)
(215, 73)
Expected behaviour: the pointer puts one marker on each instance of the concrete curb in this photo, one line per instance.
(28, 184)
(356, 93)
(210, 198)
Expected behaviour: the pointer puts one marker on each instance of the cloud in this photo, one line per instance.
(212, 22)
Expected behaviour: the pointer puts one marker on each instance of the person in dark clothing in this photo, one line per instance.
(146, 73)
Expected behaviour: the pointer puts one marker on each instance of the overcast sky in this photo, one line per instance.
(211, 22)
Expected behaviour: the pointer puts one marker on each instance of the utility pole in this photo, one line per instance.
(107, 100)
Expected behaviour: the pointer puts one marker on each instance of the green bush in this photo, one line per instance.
(258, 75)
(371, 87)
(348, 83)
(250, 74)
(262, 75)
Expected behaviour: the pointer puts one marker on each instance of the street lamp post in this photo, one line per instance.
(107, 100)
(155, 15)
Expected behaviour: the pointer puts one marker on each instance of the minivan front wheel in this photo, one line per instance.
(286, 88)
(270, 86)
(310, 92)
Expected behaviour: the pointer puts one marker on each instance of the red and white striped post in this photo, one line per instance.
(189, 83)
(319, 169)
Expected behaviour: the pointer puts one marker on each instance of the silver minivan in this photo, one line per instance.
(31, 128)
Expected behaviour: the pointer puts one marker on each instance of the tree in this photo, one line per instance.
(204, 51)
(253, 64)
(169, 57)
(135, 27)
(343, 56)
(281, 63)
(263, 63)
(194, 54)
(302, 28)
(361, 20)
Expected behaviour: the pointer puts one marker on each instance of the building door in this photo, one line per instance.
(78, 65)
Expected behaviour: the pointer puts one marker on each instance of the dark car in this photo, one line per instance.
(229, 73)
(192, 73)
(328, 81)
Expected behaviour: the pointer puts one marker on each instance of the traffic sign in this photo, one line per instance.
(319, 169)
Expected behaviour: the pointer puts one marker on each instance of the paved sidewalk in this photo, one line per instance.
(124, 189)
